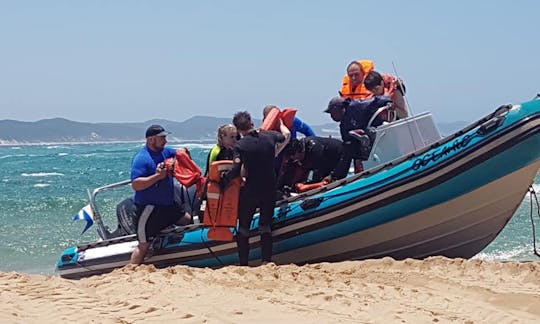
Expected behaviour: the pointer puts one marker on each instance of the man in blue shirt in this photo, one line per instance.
(154, 191)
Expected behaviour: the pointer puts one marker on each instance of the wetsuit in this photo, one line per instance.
(218, 153)
(321, 155)
(357, 116)
(256, 152)
(298, 127)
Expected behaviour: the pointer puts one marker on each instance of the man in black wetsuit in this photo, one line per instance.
(354, 115)
(318, 154)
(255, 151)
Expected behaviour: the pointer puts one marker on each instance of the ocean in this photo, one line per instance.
(43, 186)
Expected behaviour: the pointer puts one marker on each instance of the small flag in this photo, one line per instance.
(87, 214)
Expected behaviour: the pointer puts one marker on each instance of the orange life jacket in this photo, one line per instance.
(271, 122)
(221, 211)
(360, 92)
(287, 117)
(390, 83)
(271, 119)
(395, 89)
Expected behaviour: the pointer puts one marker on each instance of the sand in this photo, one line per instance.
(435, 290)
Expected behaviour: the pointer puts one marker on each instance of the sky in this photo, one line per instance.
(132, 61)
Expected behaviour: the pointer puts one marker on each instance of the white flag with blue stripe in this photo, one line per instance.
(87, 214)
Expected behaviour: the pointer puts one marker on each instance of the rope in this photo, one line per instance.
(532, 194)
(204, 242)
(191, 201)
(213, 225)
(213, 218)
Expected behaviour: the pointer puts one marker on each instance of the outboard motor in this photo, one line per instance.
(126, 213)
(126, 210)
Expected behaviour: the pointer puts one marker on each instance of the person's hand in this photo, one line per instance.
(224, 181)
(161, 171)
(327, 179)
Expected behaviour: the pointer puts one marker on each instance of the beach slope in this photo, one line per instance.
(435, 290)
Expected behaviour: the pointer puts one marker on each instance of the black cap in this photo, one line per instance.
(336, 102)
(156, 130)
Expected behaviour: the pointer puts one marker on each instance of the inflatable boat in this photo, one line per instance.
(421, 195)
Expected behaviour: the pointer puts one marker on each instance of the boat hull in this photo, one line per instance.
(446, 229)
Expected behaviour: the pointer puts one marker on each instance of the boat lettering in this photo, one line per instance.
(438, 153)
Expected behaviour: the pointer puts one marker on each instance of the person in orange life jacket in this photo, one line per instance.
(353, 87)
(353, 82)
(255, 151)
(354, 115)
(298, 127)
(391, 86)
(318, 154)
(224, 149)
(154, 191)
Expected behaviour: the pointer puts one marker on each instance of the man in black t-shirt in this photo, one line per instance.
(255, 151)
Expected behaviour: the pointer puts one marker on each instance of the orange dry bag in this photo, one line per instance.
(221, 211)
(185, 170)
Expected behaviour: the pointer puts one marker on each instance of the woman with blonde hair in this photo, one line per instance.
(223, 150)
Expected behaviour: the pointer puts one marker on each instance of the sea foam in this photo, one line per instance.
(42, 174)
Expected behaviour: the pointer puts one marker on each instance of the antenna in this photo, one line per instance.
(409, 107)
(400, 85)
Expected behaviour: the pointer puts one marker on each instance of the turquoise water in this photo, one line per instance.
(43, 186)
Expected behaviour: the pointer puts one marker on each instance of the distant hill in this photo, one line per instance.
(57, 130)
(63, 130)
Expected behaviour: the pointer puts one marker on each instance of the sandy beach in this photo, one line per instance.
(435, 290)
